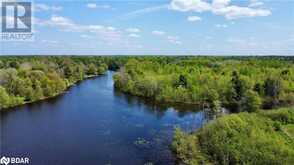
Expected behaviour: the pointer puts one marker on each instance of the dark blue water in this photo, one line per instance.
(92, 124)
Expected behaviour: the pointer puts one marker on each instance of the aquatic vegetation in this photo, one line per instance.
(142, 143)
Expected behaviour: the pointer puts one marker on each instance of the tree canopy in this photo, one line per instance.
(28, 79)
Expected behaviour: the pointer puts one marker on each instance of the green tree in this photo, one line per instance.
(102, 69)
(1, 64)
(69, 71)
(251, 102)
(92, 70)
(79, 73)
(38, 91)
(237, 92)
(183, 81)
(213, 100)
(258, 88)
(272, 89)
(238, 86)
(4, 98)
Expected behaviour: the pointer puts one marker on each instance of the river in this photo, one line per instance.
(92, 124)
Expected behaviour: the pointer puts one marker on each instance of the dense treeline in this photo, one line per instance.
(240, 84)
(28, 79)
(265, 137)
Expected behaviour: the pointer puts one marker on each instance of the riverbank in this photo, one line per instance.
(68, 86)
(24, 80)
(264, 137)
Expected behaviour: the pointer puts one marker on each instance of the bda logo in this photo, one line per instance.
(4, 160)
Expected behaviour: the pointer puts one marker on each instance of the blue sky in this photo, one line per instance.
(159, 27)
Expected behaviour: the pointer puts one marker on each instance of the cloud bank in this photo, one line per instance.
(220, 7)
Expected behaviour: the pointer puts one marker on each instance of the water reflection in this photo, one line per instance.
(159, 109)
(155, 107)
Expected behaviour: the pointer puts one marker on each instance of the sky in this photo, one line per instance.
(159, 27)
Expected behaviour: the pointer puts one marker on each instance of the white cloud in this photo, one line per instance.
(108, 34)
(174, 40)
(133, 30)
(190, 5)
(134, 35)
(158, 33)
(93, 28)
(234, 12)
(171, 39)
(218, 7)
(221, 25)
(111, 28)
(220, 3)
(92, 5)
(43, 7)
(66, 24)
(95, 6)
(255, 4)
(194, 18)
(60, 22)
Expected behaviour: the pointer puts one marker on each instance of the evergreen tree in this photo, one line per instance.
(272, 89)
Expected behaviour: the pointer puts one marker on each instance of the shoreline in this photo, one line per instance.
(174, 104)
(54, 96)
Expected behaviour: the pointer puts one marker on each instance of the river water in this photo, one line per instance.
(92, 124)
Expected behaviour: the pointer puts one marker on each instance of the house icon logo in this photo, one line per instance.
(4, 160)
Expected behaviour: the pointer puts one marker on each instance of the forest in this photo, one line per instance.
(29, 79)
(238, 84)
